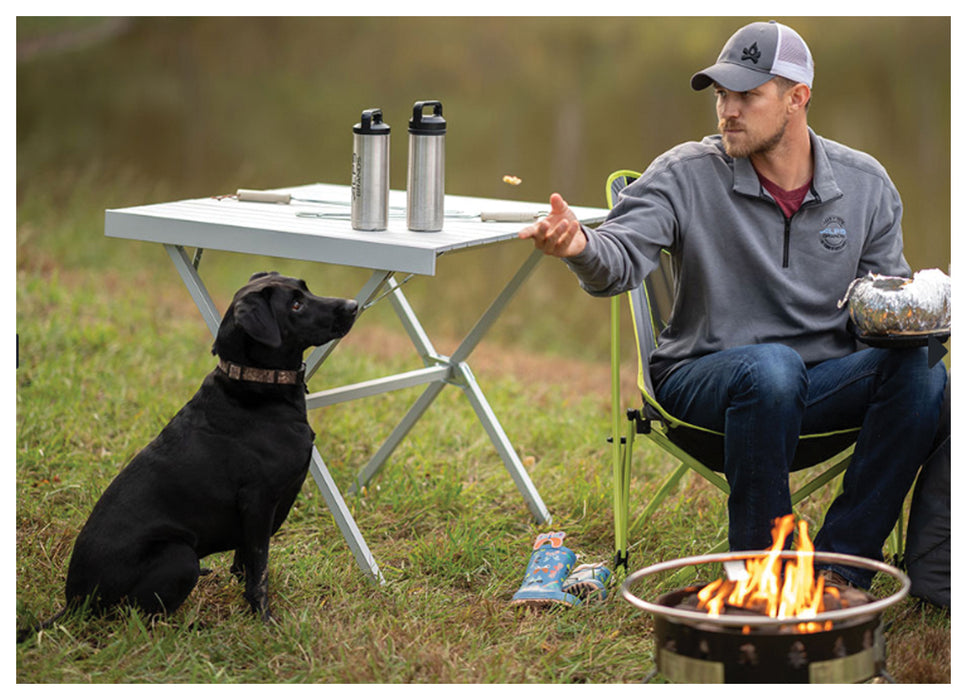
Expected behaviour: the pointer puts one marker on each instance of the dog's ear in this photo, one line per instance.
(254, 314)
(257, 275)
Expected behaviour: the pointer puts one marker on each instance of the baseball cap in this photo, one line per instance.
(756, 53)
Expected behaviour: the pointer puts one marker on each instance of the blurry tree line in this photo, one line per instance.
(204, 105)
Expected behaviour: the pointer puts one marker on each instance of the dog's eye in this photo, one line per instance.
(296, 304)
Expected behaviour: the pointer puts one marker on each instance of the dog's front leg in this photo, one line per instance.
(257, 590)
(252, 560)
(255, 569)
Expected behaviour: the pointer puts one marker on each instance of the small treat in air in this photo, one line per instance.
(512, 180)
(883, 305)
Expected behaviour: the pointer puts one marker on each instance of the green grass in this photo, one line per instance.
(102, 369)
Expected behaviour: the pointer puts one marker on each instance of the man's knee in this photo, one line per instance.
(772, 371)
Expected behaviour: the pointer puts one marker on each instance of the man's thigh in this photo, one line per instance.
(701, 391)
(840, 390)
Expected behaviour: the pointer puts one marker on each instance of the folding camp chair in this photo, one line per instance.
(696, 448)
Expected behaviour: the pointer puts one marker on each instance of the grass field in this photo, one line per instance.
(106, 358)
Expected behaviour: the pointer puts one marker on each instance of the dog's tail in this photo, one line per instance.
(27, 632)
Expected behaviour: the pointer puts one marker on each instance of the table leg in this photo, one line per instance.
(479, 402)
(421, 341)
(342, 516)
(476, 334)
(504, 447)
(189, 275)
(411, 324)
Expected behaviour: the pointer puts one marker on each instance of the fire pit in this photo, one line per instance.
(734, 644)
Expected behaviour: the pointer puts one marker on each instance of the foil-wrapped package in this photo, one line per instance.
(884, 305)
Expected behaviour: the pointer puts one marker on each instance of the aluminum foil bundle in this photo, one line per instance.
(885, 305)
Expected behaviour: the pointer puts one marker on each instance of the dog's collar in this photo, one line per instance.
(263, 376)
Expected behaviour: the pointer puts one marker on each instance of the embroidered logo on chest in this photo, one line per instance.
(833, 234)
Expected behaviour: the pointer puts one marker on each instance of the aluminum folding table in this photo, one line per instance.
(314, 226)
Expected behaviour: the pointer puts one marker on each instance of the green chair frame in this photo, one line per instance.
(696, 448)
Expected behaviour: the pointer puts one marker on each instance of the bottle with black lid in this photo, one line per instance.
(370, 178)
(425, 172)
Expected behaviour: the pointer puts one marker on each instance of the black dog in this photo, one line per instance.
(223, 474)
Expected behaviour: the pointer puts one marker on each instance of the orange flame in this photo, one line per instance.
(790, 591)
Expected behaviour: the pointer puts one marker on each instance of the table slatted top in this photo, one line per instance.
(277, 230)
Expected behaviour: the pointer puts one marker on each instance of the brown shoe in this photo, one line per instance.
(840, 593)
(834, 580)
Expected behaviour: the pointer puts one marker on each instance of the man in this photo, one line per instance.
(768, 224)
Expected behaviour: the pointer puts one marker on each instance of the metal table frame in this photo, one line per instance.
(318, 231)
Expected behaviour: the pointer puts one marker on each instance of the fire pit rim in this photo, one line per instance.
(760, 621)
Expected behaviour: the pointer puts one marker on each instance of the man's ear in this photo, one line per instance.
(254, 314)
(799, 96)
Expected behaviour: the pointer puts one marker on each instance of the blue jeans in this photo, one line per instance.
(762, 397)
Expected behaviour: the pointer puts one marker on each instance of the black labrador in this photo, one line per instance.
(223, 474)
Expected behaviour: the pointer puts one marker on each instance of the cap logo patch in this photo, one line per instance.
(752, 53)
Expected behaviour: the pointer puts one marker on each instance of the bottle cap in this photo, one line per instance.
(371, 122)
(428, 123)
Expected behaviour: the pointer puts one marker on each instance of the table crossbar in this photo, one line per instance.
(374, 387)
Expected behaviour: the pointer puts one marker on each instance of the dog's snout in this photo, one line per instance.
(344, 314)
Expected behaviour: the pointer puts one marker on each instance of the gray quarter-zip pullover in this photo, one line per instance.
(745, 273)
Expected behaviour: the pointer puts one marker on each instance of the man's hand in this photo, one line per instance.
(558, 233)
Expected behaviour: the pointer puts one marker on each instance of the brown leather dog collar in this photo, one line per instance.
(263, 376)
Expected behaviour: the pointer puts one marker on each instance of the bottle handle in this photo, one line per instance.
(418, 108)
(370, 117)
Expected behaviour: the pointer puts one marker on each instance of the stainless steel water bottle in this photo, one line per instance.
(424, 177)
(370, 185)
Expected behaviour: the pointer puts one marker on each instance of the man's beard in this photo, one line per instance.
(747, 149)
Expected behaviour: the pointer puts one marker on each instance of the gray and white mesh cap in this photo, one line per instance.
(756, 53)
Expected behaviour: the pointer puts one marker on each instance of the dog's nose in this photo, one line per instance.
(352, 307)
